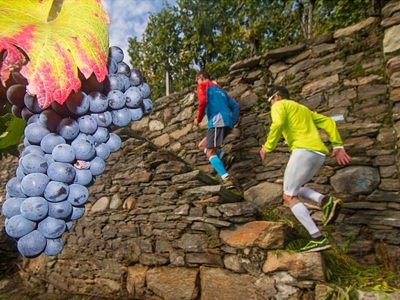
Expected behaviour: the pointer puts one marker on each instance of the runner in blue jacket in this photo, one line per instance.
(222, 114)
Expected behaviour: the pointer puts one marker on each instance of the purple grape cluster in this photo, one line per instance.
(65, 148)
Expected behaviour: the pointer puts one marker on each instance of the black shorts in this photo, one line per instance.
(215, 136)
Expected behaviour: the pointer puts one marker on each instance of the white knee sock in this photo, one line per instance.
(309, 194)
(303, 215)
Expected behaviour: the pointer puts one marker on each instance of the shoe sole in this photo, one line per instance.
(337, 205)
(317, 249)
(230, 187)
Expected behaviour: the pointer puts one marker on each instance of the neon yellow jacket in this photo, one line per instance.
(299, 126)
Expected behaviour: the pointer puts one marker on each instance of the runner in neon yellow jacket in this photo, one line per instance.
(299, 126)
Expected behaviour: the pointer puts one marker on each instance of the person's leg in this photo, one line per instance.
(216, 162)
(309, 194)
(302, 166)
(318, 241)
(227, 160)
(330, 205)
(202, 145)
(298, 171)
(213, 142)
(302, 214)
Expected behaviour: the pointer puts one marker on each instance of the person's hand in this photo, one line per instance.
(341, 155)
(195, 122)
(263, 153)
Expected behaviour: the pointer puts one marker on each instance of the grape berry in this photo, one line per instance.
(66, 147)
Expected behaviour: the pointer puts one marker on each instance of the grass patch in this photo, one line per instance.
(344, 275)
(342, 271)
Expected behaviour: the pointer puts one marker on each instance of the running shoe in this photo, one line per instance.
(330, 208)
(228, 161)
(316, 245)
(228, 184)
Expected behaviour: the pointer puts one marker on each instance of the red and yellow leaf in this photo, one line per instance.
(48, 40)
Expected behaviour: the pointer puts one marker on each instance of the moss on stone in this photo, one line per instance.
(357, 71)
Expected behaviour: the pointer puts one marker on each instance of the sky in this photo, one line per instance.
(129, 18)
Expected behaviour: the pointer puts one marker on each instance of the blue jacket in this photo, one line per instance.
(221, 110)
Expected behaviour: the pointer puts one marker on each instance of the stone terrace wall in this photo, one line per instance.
(351, 75)
(157, 228)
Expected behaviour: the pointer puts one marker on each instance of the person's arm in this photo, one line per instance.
(329, 126)
(201, 94)
(234, 107)
(341, 155)
(275, 130)
(263, 153)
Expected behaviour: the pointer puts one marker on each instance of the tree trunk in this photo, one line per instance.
(310, 19)
(167, 84)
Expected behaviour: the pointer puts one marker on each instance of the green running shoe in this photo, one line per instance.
(316, 245)
(331, 208)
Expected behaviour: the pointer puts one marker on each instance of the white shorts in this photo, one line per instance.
(301, 168)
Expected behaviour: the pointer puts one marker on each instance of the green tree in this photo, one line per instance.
(264, 25)
(322, 16)
(339, 14)
(200, 23)
(250, 23)
(213, 34)
(160, 54)
(136, 53)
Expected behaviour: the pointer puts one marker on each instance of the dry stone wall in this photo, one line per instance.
(159, 226)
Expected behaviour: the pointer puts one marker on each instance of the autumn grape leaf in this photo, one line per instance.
(49, 40)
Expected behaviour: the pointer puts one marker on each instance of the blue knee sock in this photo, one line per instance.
(220, 153)
(218, 166)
